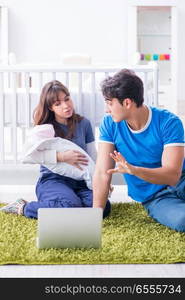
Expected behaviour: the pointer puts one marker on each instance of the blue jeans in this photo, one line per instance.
(54, 190)
(168, 206)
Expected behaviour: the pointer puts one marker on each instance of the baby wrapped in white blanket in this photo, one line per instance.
(39, 143)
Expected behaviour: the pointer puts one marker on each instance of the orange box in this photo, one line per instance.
(162, 57)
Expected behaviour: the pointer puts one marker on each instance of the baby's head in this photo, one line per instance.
(44, 131)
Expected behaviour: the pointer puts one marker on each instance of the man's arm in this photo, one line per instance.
(91, 150)
(101, 179)
(169, 173)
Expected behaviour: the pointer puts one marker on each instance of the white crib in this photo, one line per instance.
(20, 87)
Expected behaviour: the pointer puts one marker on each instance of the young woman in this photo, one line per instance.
(53, 190)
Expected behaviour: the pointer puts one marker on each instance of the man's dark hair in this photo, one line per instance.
(124, 84)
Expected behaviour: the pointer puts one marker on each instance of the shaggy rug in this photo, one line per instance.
(129, 236)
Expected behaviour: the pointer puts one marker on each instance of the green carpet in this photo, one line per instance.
(129, 237)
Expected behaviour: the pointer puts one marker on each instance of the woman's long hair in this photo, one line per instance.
(43, 115)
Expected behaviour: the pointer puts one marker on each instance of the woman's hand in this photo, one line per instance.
(73, 157)
(122, 165)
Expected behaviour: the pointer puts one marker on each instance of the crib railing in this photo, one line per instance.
(20, 87)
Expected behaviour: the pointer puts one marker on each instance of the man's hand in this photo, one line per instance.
(122, 165)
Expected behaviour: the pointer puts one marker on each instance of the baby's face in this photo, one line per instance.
(45, 131)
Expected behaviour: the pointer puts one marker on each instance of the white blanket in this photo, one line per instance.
(40, 148)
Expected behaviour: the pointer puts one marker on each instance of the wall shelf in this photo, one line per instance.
(152, 30)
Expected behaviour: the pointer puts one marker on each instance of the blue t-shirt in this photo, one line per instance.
(144, 148)
(82, 136)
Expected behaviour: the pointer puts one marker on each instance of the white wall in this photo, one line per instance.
(41, 30)
(181, 55)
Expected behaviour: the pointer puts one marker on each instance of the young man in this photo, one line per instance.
(147, 145)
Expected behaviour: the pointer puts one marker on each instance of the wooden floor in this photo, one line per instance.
(94, 271)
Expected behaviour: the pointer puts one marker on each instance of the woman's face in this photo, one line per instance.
(62, 108)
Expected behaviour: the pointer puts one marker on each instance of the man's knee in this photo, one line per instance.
(179, 222)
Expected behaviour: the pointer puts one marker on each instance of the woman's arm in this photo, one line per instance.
(72, 157)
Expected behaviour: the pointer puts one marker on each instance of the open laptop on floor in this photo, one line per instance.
(69, 227)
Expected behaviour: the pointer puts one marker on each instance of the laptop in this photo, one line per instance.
(69, 227)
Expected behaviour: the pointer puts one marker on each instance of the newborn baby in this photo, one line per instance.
(42, 138)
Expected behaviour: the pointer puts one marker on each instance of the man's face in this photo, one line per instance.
(116, 109)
